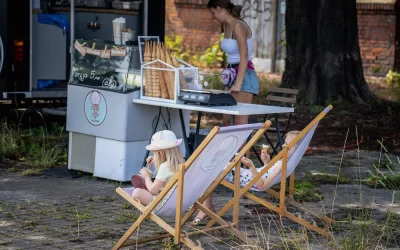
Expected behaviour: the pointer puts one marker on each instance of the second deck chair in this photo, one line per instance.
(279, 175)
(196, 179)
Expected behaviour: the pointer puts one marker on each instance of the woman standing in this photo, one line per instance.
(237, 45)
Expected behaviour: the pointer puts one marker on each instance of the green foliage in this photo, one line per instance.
(8, 140)
(325, 178)
(303, 191)
(316, 109)
(376, 69)
(175, 45)
(393, 80)
(360, 236)
(211, 81)
(35, 146)
(306, 191)
(212, 57)
(168, 244)
(379, 179)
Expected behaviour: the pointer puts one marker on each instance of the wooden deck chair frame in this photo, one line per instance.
(283, 199)
(176, 232)
(280, 97)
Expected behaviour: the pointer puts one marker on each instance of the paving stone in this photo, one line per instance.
(46, 210)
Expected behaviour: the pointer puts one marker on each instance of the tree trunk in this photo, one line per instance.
(323, 55)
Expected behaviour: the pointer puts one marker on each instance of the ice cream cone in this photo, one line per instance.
(154, 73)
(265, 148)
(166, 73)
(182, 81)
(163, 86)
(171, 77)
(148, 77)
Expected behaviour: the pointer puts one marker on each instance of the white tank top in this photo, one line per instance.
(231, 48)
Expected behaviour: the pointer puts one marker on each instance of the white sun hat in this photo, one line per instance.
(163, 140)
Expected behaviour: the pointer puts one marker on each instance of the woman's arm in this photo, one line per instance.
(240, 34)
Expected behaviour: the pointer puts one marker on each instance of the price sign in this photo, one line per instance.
(93, 78)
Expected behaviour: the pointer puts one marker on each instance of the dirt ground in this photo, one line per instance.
(362, 126)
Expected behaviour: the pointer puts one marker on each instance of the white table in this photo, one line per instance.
(239, 109)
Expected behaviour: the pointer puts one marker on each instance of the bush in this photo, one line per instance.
(212, 57)
(393, 80)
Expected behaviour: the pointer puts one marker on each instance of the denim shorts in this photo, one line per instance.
(250, 82)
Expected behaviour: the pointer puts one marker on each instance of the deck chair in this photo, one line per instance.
(195, 180)
(279, 175)
(283, 97)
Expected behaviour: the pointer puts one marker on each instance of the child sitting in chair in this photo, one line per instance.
(247, 174)
(166, 159)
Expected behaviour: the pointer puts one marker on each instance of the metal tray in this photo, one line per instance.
(98, 3)
(125, 5)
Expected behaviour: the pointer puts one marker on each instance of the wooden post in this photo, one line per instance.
(283, 181)
(179, 198)
(291, 185)
(236, 195)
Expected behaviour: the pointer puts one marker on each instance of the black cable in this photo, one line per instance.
(167, 125)
(156, 119)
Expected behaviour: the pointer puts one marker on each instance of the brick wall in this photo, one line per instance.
(376, 33)
(192, 20)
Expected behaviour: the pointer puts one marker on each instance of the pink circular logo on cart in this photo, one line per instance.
(220, 151)
(95, 108)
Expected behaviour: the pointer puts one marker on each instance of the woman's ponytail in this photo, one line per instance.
(234, 10)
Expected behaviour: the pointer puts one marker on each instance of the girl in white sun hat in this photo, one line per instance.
(166, 159)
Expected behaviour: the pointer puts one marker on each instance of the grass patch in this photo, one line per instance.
(381, 180)
(94, 198)
(14, 169)
(125, 206)
(109, 199)
(32, 172)
(8, 140)
(45, 155)
(83, 216)
(303, 191)
(365, 231)
(325, 178)
(168, 244)
(126, 217)
(30, 224)
(36, 147)
(306, 191)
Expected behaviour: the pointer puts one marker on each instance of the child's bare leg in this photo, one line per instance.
(208, 204)
(144, 196)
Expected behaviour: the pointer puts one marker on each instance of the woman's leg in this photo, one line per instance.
(144, 196)
(244, 97)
